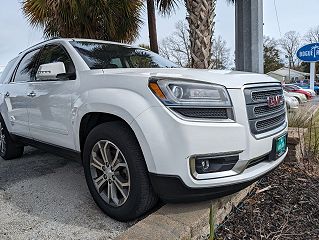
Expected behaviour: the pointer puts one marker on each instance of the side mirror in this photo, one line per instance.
(50, 71)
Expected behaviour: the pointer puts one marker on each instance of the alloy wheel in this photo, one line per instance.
(110, 173)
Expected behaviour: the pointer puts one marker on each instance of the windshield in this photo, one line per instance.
(105, 55)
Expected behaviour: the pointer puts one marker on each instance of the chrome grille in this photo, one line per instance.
(263, 118)
(264, 110)
(271, 122)
(263, 95)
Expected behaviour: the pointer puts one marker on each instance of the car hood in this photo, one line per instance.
(227, 78)
(294, 94)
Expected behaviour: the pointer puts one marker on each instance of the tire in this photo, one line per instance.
(136, 196)
(9, 149)
(299, 100)
(288, 107)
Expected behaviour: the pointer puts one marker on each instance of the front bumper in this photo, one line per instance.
(168, 143)
(173, 189)
(293, 104)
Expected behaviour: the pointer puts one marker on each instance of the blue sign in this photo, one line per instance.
(309, 53)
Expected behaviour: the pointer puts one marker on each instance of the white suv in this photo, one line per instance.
(143, 128)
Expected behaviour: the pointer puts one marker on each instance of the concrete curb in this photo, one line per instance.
(183, 221)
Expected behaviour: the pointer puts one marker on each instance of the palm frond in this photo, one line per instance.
(100, 19)
(166, 7)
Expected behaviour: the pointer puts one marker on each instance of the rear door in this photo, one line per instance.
(16, 95)
(50, 109)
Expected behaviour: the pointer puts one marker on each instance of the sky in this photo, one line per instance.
(16, 34)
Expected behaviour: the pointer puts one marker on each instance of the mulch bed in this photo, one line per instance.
(283, 205)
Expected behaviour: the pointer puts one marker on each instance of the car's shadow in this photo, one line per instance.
(33, 163)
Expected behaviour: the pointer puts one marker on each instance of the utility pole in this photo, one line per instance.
(312, 75)
(249, 36)
(289, 68)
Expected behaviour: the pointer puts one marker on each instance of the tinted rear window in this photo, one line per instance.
(7, 69)
(104, 55)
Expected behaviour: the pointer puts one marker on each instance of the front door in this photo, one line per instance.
(50, 108)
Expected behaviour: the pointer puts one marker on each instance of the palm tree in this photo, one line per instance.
(152, 25)
(164, 7)
(120, 21)
(109, 20)
(201, 14)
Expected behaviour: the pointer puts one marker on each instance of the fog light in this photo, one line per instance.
(205, 165)
(213, 164)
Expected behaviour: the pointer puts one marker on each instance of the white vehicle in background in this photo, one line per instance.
(144, 128)
(299, 96)
(291, 103)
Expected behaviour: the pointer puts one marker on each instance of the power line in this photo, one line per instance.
(277, 18)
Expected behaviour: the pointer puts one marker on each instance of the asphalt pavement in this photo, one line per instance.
(43, 196)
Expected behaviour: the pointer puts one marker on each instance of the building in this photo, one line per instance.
(282, 75)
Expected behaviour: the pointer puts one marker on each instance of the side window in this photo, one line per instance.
(55, 53)
(25, 71)
(7, 70)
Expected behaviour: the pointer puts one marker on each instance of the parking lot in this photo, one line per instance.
(43, 196)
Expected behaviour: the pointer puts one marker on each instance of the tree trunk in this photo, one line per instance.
(201, 14)
(152, 25)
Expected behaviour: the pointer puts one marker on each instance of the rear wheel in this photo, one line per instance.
(116, 173)
(9, 149)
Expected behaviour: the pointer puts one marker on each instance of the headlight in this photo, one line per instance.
(193, 99)
(176, 92)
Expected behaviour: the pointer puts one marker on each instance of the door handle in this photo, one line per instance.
(7, 95)
(31, 94)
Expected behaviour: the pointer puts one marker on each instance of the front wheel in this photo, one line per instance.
(116, 172)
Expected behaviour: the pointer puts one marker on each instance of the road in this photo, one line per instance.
(43, 196)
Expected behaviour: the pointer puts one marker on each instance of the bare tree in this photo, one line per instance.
(312, 36)
(290, 44)
(177, 46)
(220, 54)
(177, 49)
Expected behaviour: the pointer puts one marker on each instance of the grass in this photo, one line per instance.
(306, 123)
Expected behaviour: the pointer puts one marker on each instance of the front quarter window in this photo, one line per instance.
(98, 55)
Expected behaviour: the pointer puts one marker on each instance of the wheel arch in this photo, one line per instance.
(92, 119)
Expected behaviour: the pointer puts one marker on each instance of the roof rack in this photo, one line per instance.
(40, 43)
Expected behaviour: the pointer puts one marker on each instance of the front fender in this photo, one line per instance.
(122, 103)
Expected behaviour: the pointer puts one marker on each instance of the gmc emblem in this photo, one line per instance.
(274, 101)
